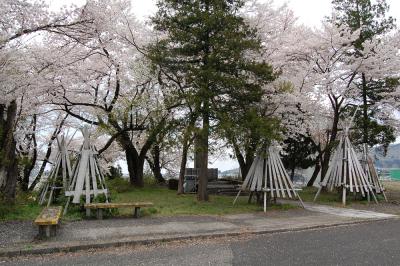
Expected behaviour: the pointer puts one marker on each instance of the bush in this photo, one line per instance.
(119, 185)
(149, 180)
(115, 172)
(173, 184)
(101, 198)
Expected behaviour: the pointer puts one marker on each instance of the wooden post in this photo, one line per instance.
(99, 214)
(344, 196)
(50, 197)
(265, 201)
(136, 213)
(237, 196)
(318, 192)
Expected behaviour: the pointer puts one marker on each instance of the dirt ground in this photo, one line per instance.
(393, 204)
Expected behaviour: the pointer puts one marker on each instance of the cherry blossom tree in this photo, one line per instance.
(106, 81)
(22, 23)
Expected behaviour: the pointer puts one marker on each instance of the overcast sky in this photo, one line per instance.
(309, 12)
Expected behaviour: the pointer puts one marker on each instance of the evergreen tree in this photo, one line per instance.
(372, 22)
(211, 54)
(299, 152)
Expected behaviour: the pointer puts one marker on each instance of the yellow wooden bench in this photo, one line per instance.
(48, 220)
(100, 206)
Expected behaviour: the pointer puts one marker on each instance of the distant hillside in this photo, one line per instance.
(231, 172)
(391, 160)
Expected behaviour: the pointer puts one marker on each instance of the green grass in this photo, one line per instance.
(307, 194)
(24, 208)
(332, 198)
(166, 203)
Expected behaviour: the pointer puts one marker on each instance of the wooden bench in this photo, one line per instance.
(48, 220)
(100, 206)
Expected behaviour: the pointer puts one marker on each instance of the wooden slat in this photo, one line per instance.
(250, 174)
(93, 174)
(286, 179)
(360, 173)
(49, 216)
(271, 185)
(81, 176)
(275, 183)
(350, 163)
(91, 192)
(118, 205)
(278, 175)
(345, 166)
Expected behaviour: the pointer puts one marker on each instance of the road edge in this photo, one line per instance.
(165, 239)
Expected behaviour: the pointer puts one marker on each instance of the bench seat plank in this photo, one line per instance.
(49, 216)
(117, 205)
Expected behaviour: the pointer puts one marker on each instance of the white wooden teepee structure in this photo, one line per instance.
(372, 174)
(60, 174)
(87, 179)
(346, 172)
(268, 175)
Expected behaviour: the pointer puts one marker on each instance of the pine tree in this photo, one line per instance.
(210, 52)
(372, 22)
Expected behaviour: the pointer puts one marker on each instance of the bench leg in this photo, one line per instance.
(99, 214)
(42, 231)
(53, 230)
(136, 213)
(47, 231)
(87, 212)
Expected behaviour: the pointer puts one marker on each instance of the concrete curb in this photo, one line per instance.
(164, 239)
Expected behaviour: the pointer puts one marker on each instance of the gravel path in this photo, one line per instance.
(16, 232)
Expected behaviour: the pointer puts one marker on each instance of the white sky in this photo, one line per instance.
(309, 12)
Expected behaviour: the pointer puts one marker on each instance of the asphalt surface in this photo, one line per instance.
(375, 243)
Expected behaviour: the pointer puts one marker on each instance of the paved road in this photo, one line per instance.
(375, 243)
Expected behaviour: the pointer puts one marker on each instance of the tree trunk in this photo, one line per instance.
(202, 194)
(245, 167)
(28, 167)
(328, 150)
(314, 176)
(155, 164)
(244, 162)
(186, 144)
(139, 169)
(56, 132)
(8, 159)
(365, 109)
(131, 159)
(12, 175)
(134, 162)
(292, 173)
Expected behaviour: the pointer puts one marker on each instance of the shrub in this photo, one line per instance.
(119, 185)
(173, 184)
(114, 172)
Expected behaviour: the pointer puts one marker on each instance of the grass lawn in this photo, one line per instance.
(335, 198)
(166, 203)
(25, 208)
(392, 190)
(307, 194)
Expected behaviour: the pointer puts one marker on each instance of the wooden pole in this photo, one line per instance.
(265, 201)
(237, 196)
